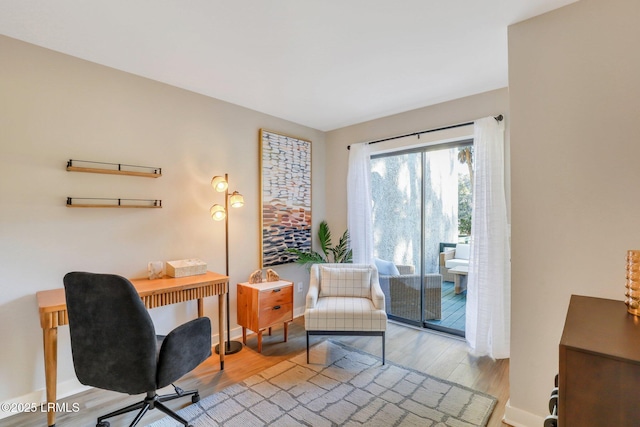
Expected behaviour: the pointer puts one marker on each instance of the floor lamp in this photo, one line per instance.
(218, 213)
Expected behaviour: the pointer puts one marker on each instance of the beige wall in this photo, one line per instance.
(575, 108)
(459, 111)
(54, 107)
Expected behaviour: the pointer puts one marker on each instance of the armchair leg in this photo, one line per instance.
(356, 333)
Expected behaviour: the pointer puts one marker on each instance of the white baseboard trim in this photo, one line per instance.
(519, 418)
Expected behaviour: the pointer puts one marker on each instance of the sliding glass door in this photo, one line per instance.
(417, 207)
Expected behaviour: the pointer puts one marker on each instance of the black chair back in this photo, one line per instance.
(113, 339)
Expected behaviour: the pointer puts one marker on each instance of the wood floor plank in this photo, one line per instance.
(411, 347)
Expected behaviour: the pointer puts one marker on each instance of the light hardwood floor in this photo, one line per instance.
(430, 352)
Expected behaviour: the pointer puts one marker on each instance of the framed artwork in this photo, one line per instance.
(285, 181)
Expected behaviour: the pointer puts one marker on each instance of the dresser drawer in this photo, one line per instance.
(279, 296)
(275, 314)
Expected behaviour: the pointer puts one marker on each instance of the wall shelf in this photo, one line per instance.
(96, 202)
(113, 168)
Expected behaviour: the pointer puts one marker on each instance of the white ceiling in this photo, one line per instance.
(321, 63)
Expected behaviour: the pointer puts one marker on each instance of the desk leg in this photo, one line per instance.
(221, 347)
(200, 307)
(50, 336)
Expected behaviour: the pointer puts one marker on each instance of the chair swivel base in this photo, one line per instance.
(152, 401)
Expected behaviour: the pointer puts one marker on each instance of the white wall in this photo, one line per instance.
(453, 112)
(54, 107)
(575, 108)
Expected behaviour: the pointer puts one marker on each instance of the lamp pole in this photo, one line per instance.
(231, 347)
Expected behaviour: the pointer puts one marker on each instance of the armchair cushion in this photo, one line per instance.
(457, 258)
(463, 251)
(386, 268)
(345, 282)
(345, 314)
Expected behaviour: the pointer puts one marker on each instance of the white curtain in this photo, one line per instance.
(359, 204)
(488, 315)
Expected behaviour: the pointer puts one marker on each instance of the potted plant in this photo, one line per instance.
(340, 253)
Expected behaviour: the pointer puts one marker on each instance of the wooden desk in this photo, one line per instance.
(154, 293)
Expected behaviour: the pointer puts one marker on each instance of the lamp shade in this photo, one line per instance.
(219, 183)
(236, 200)
(217, 212)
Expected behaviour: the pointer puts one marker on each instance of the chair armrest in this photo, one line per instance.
(406, 269)
(312, 294)
(377, 296)
(446, 255)
(183, 349)
(431, 280)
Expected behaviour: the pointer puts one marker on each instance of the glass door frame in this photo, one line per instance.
(424, 150)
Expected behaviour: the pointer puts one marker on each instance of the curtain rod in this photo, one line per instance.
(498, 118)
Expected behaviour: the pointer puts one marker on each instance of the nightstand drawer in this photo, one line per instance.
(277, 296)
(275, 314)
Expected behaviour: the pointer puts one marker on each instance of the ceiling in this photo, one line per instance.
(321, 63)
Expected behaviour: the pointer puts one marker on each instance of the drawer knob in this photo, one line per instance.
(277, 307)
(277, 290)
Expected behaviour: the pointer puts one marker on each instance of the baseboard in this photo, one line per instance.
(65, 389)
(518, 418)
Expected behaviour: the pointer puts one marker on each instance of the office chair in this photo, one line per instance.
(115, 347)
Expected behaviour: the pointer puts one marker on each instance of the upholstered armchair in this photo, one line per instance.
(345, 299)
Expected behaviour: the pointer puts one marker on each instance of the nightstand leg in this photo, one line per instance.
(286, 330)
(260, 341)
(244, 335)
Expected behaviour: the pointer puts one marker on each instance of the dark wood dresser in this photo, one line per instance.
(599, 377)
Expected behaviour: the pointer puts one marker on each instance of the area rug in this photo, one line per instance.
(340, 387)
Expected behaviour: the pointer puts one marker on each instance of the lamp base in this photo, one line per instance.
(231, 347)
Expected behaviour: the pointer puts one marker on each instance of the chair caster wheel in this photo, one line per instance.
(103, 424)
(195, 398)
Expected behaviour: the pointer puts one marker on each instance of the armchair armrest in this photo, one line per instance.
(377, 296)
(312, 294)
(406, 269)
(183, 349)
(446, 255)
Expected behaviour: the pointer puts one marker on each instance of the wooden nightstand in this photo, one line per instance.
(262, 305)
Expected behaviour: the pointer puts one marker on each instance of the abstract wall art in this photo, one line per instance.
(285, 167)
